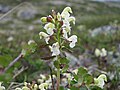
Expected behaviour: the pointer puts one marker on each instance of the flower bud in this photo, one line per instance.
(60, 23)
(97, 52)
(49, 19)
(43, 19)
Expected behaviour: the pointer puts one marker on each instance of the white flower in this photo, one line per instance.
(42, 76)
(66, 26)
(31, 41)
(59, 16)
(65, 34)
(25, 87)
(43, 86)
(71, 19)
(49, 28)
(66, 12)
(73, 40)
(45, 36)
(68, 75)
(103, 52)
(75, 71)
(35, 87)
(17, 89)
(100, 80)
(1, 87)
(55, 49)
(97, 52)
(44, 19)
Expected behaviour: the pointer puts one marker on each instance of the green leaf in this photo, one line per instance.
(74, 88)
(64, 60)
(5, 60)
(62, 88)
(83, 88)
(88, 79)
(29, 49)
(82, 71)
(95, 88)
(65, 68)
(73, 82)
(56, 64)
(75, 77)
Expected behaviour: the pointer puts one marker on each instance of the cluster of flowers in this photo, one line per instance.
(58, 27)
(45, 82)
(100, 53)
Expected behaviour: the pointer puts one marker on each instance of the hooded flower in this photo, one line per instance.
(43, 86)
(49, 27)
(1, 87)
(55, 49)
(100, 80)
(66, 12)
(45, 36)
(65, 34)
(73, 40)
(30, 42)
(97, 52)
(103, 52)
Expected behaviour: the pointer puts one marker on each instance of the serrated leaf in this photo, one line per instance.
(88, 79)
(82, 71)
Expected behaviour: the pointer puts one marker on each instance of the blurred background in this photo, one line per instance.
(97, 26)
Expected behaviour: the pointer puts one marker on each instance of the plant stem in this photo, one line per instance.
(58, 77)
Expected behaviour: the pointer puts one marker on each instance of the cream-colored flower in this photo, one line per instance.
(55, 49)
(43, 19)
(25, 87)
(1, 87)
(35, 87)
(49, 27)
(31, 41)
(68, 75)
(59, 17)
(66, 26)
(103, 76)
(65, 34)
(75, 71)
(45, 36)
(103, 52)
(43, 76)
(66, 12)
(71, 19)
(100, 80)
(97, 52)
(43, 86)
(73, 40)
(17, 89)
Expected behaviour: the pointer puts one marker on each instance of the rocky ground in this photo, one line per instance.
(97, 25)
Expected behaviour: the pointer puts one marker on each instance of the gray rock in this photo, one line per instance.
(74, 61)
(26, 13)
(4, 9)
(104, 30)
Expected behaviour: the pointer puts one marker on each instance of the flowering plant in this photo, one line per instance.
(57, 34)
